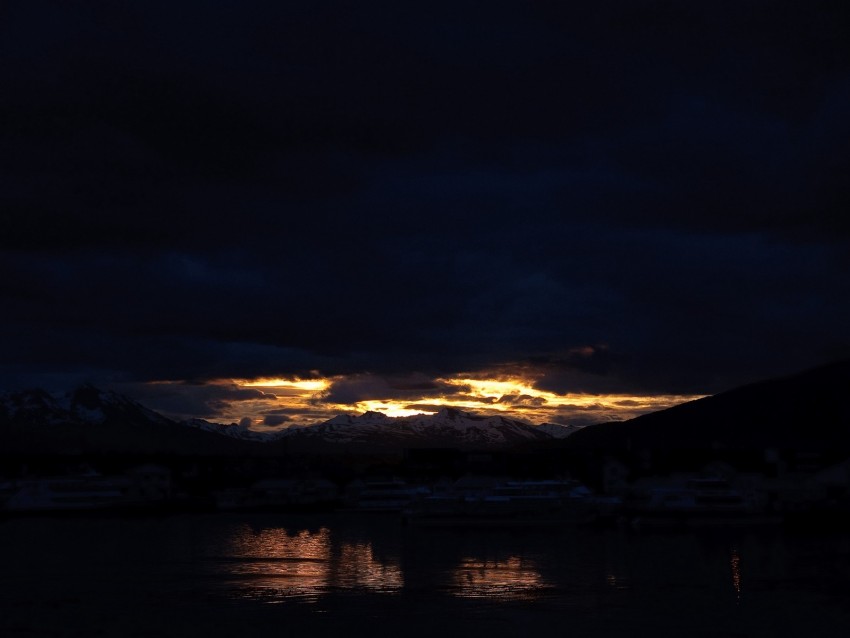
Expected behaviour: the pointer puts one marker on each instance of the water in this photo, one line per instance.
(220, 575)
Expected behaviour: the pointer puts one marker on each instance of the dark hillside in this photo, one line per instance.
(809, 411)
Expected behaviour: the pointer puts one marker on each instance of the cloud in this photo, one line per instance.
(363, 387)
(424, 407)
(183, 400)
(378, 192)
(275, 419)
(518, 399)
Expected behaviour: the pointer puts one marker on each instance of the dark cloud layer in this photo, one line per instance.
(362, 387)
(275, 419)
(627, 196)
(183, 400)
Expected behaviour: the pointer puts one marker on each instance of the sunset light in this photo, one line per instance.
(495, 388)
(389, 408)
(295, 401)
(312, 385)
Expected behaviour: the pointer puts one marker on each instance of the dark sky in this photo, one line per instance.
(643, 197)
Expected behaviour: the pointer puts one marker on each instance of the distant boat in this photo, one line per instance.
(73, 493)
(142, 487)
(280, 495)
(387, 495)
(506, 503)
(700, 501)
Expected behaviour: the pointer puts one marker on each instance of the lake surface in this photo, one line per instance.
(231, 575)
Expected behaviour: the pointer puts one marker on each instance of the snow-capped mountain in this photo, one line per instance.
(447, 428)
(86, 404)
(232, 430)
(90, 420)
(32, 406)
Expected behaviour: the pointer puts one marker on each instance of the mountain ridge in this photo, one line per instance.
(89, 419)
(449, 427)
(807, 409)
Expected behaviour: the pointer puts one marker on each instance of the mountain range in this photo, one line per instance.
(447, 428)
(809, 410)
(90, 420)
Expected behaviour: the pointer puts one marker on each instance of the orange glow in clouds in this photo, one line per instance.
(307, 401)
(311, 385)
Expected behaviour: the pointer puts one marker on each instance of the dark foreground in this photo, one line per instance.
(219, 575)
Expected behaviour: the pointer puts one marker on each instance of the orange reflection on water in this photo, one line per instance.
(358, 568)
(511, 579)
(273, 566)
(277, 543)
(735, 563)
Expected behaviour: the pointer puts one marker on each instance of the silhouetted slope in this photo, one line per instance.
(807, 411)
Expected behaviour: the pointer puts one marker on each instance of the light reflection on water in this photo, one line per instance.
(214, 575)
(359, 569)
(735, 564)
(276, 565)
(272, 565)
(509, 580)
